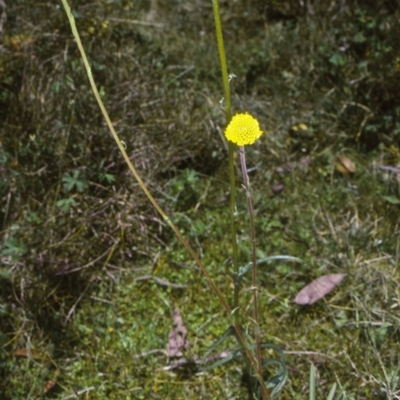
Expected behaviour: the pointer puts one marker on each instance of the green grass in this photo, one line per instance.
(77, 231)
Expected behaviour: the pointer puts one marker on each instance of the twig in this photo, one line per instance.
(135, 22)
(160, 281)
(72, 310)
(3, 18)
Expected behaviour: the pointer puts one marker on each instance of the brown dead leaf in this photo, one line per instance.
(339, 167)
(277, 188)
(48, 385)
(177, 342)
(346, 166)
(30, 353)
(318, 289)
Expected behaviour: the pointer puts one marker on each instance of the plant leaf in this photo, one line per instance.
(278, 381)
(312, 382)
(318, 289)
(247, 267)
(229, 331)
(228, 357)
(392, 199)
(332, 392)
(30, 353)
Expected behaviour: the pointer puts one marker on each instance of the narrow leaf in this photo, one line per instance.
(332, 392)
(229, 331)
(224, 360)
(277, 381)
(392, 199)
(247, 267)
(312, 382)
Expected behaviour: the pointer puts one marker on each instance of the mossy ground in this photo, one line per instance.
(77, 231)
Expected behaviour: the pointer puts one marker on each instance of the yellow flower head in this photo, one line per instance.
(243, 129)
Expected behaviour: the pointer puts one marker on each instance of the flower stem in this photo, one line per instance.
(256, 365)
(250, 209)
(225, 80)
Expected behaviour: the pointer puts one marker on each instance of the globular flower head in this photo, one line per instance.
(243, 129)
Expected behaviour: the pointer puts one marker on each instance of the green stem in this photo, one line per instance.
(233, 214)
(222, 60)
(257, 366)
(250, 210)
(225, 80)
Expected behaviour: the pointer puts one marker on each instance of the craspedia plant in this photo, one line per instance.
(243, 129)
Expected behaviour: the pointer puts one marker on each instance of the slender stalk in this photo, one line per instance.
(232, 207)
(225, 80)
(222, 60)
(257, 366)
(250, 209)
